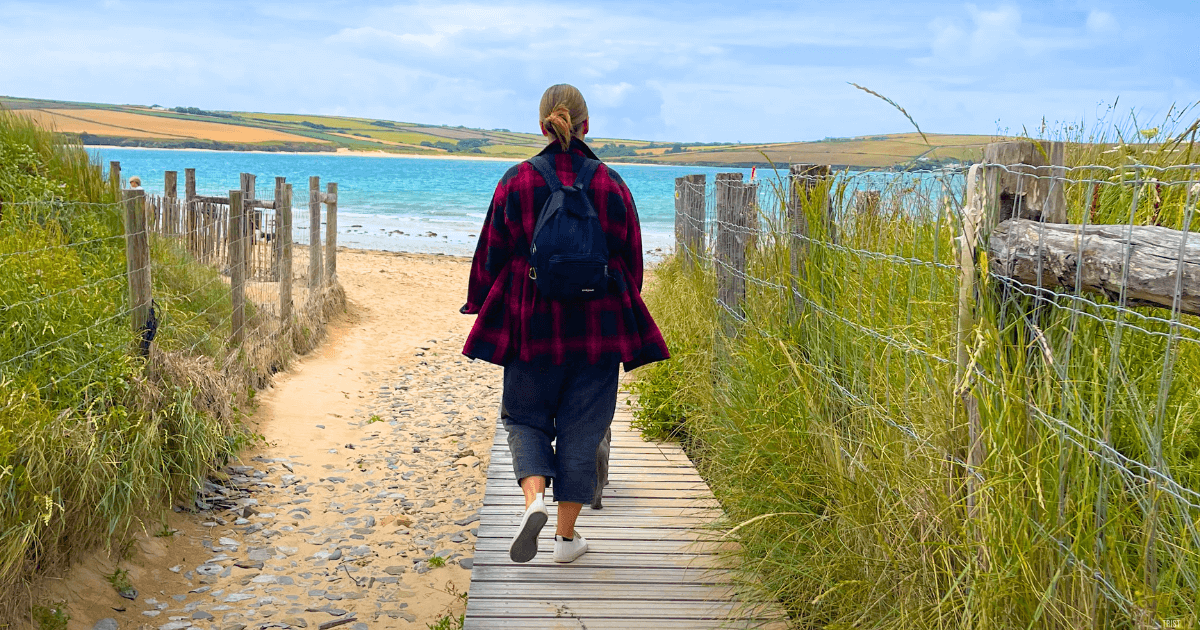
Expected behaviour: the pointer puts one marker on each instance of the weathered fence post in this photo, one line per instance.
(249, 223)
(689, 217)
(974, 214)
(866, 203)
(191, 212)
(114, 175)
(733, 236)
(237, 268)
(276, 246)
(283, 234)
(331, 208)
(695, 212)
(1024, 180)
(806, 187)
(1018, 180)
(137, 265)
(170, 203)
(314, 233)
(682, 220)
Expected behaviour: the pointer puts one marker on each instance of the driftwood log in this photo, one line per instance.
(1018, 248)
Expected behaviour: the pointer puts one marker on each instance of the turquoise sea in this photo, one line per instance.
(395, 203)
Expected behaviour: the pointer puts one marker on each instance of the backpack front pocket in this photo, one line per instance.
(574, 277)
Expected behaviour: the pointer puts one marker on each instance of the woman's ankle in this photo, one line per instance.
(533, 487)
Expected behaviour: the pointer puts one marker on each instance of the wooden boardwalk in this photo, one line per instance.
(648, 565)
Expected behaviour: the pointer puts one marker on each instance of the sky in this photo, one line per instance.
(691, 71)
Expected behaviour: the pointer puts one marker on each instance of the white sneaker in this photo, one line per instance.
(569, 550)
(524, 545)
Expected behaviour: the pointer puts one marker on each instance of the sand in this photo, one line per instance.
(374, 460)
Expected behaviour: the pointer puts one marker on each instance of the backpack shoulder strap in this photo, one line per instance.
(545, 167)
(584, 178)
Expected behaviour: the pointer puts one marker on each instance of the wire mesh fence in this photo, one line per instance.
(1042, 433)
(192, 243)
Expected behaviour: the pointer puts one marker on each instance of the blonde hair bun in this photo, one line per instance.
(562, 113)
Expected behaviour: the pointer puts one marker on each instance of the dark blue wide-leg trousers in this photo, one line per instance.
(574, 403)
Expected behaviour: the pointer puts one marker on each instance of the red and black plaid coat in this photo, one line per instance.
(514, 321)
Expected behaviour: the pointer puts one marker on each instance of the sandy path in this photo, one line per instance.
(370, 468)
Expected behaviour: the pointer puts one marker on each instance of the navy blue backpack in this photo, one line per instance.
(568, 253)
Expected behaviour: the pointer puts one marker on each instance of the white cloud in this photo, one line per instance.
(996, 33)
(608, 95)
(655, 71)
(1101, 22)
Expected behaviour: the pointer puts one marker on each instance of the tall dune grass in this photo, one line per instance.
(832, 427)
(88, 442)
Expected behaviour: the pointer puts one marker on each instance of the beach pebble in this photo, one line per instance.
(260, 554)
(106, 624)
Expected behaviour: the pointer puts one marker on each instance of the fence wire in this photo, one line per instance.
(1090, 426)
(42, 241)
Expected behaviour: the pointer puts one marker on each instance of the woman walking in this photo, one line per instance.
(556, 284)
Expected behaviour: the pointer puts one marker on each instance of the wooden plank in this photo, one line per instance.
(568, 623)
(635, 451)
(611, 560)
(627, 488)
(567, 592)
(699, 547)
(590, 609)
(628, 520)
(662, 480)
(630, 509)
(624, 452)
(631, 462)
(616, 501)
(516, 573)
(610, 531)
